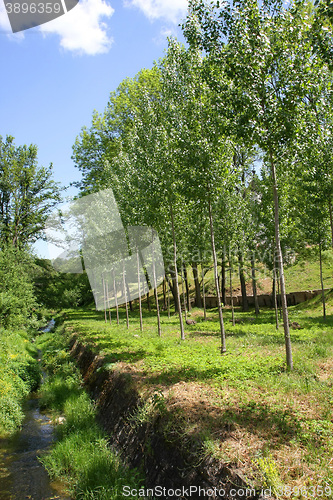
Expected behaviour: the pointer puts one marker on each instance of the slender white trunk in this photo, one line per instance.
(183, 290)
(108, 300)
(104, 298)
(115, 291)
(231, 294)
(216, 277)
(155, 289)
(182, 334)
(139, 289)
(287, 340)
(125, 296)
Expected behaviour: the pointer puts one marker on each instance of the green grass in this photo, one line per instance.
(19, 374)
(81, 457)
(244, 407)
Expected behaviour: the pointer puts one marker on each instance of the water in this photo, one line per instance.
(22, 476)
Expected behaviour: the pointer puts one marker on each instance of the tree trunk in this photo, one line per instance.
(223, 277)
(198, 301)
(164, 295)
(174, 289)
(331, 219)
(289, 356)
(245, 305)
(169, 288)
(278, 299)
(155, 289)
(168, 299)
(188, 301)
(183, 291)
(104, 298)
(182, 335)
(139, 289)
(147, 280)
(203, 292)
(115, 296)
(129, 297)
(254, 286)
(223, 345)
(231, 294)
(275, 299)
(108, 300)
(126, 306)
(321, 280)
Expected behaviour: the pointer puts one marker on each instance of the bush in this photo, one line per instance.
(20, 373)
(17, 301)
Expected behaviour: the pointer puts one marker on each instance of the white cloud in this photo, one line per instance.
(81, 29)
(171, 10)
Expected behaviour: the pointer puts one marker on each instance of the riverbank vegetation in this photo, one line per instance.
(245, 408)
(80, 458)
(19, 375)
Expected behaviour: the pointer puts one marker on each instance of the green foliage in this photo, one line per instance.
(17, 301)
(19, 374)
(56, 290)
(27, 194)
(81, 455)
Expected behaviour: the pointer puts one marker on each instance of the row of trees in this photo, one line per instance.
(181, 144)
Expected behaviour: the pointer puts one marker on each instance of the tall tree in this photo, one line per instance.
(27, 194)
(266, 50)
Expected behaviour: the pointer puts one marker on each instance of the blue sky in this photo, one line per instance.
(55, 75)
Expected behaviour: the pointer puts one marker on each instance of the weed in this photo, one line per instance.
(268, 469)
(148, 411)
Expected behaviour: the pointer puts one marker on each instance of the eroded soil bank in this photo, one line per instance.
(150, 440)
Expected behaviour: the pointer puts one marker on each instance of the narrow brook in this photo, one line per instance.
(22, 476)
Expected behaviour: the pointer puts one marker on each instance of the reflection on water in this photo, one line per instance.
(21, 474)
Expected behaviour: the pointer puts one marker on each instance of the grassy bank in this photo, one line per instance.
(81, 457)
(19, 375)
(244, 408)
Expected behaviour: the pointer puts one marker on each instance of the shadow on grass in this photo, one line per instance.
(277, 426)
(128, 356)
(240, 372)
(91, 314)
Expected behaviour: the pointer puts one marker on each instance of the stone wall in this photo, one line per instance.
(266, 300)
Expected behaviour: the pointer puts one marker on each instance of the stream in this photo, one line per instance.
(22, 476)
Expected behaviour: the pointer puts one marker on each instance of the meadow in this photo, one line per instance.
(244, 407)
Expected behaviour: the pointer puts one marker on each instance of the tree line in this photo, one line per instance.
(226, 142)
(223, 146)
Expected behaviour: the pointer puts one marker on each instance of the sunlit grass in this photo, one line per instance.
(242, 405)
(81, 457)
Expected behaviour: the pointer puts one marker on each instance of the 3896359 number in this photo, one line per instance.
(33, 8)
(306, 491)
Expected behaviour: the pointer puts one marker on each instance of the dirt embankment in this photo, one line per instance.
(144, 434)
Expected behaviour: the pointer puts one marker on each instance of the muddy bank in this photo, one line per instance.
(150, 444)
